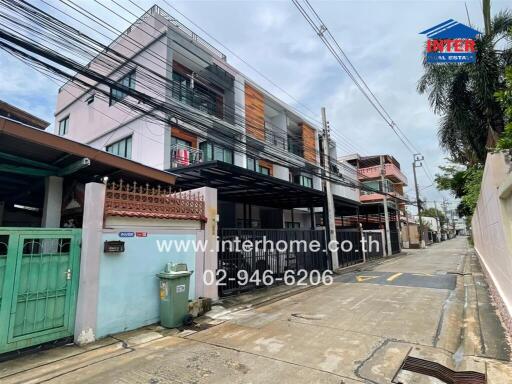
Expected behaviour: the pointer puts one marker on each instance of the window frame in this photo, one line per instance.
(267, 170)
(309, 179)
(127, 140)
(179, 141)
(198, 96)
(66, 127)
(131, 85)
(300, 180)
(254, 164)
(209, 152)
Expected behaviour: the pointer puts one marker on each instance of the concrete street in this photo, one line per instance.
(429, 303)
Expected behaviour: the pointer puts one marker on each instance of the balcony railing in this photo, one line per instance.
(201, 99)
(187, 32)
(392, 172)
(183, 155)
(275, 140)
(295, 148)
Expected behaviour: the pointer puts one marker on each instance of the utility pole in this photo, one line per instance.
(331, 224)
(386, 213)
(408, 228)
(438, 221)
(453, 222)
(416, 164)
(445, 209)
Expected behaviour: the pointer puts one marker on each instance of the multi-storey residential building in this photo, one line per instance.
(224, 131)
(370, 171)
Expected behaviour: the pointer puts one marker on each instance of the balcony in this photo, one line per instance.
(275, 140)
(200, 97)
(374, 196)
(393, 173)
(183, 156)
(295, 147)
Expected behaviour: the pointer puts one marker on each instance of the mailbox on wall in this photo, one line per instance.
(114, 246)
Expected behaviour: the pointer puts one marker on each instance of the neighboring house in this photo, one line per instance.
(433, 230)
(262, 156)
(65, 231)
(11, 112)
(369, 170)
(460, 226)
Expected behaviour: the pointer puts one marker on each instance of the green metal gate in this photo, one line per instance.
(39, 271)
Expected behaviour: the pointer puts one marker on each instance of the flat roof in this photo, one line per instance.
(24, 145)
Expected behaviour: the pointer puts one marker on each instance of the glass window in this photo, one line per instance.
(292, 224)
(216, 152)
(264, 170)
(198, 96)
(305, 181)
(177, 140)
(121, 148)
(370, 187)
(64, 126)
(118, 95)
(251, 163)
(207, 150)
(181, 88)
(228, 156)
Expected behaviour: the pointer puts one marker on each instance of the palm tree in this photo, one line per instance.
(464, 94)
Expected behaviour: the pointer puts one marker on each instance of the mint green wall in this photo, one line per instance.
(128, 295)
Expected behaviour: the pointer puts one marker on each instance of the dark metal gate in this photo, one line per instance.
(394, 234)
(291, 251)
(374, 244)
(350, 250)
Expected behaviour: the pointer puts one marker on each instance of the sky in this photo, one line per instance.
(381, 38)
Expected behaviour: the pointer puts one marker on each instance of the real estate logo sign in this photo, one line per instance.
(450, 42)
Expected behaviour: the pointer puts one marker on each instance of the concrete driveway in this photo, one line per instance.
(430, 303)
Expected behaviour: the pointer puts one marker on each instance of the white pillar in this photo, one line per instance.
(87, 302)
(52, 202)
(207, 261)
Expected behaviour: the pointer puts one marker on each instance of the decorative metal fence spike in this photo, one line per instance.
(139, 200)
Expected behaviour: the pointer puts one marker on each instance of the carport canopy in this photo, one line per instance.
(237, 184)
(27, 155)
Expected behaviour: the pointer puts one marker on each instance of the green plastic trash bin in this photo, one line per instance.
(174, 285)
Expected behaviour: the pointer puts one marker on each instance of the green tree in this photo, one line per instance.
(464, 94)
(432, 212)
(505, 99)
(464, 183)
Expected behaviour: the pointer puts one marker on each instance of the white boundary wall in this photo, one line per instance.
(492, 231)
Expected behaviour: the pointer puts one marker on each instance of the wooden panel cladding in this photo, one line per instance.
(267, 164)
(184, 135)
(254, 113)
(309, 142)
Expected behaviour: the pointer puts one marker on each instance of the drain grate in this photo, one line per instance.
(446, 375)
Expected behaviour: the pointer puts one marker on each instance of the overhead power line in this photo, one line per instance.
(318, 25)
(146, 105)
(333, 46)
